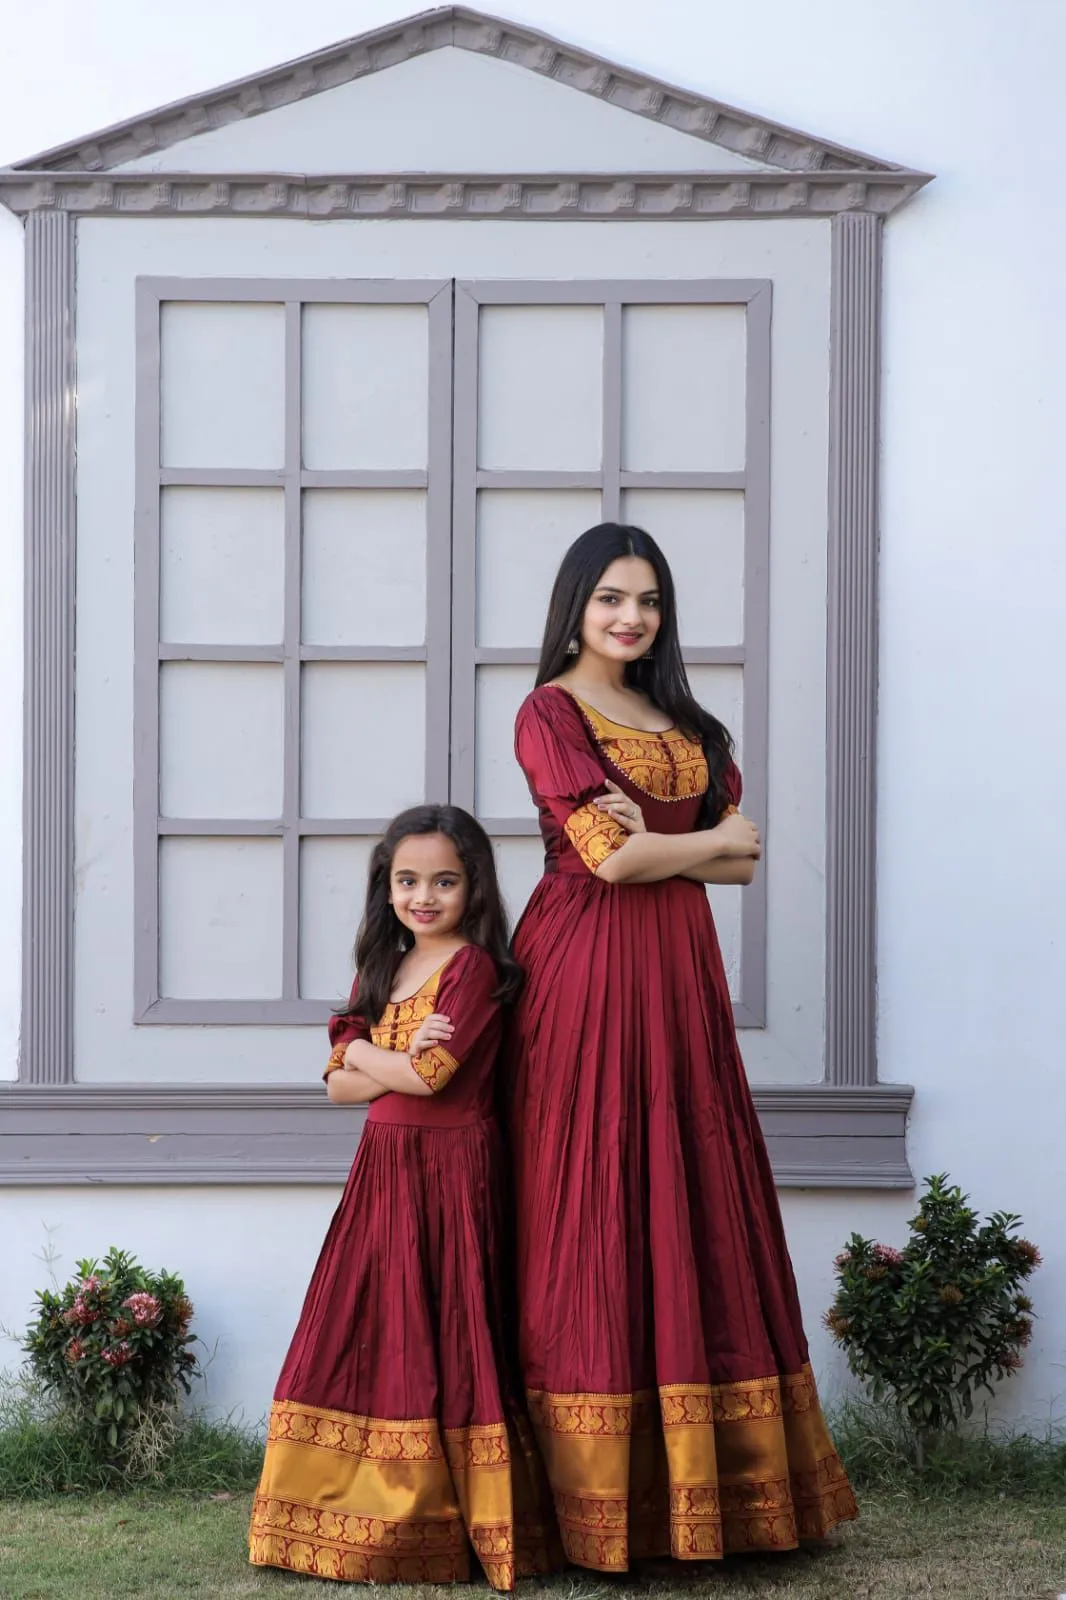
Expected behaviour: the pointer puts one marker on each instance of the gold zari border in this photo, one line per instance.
(693, 1471)
(336, 1060)
(594, 835)
(370, 1500)
(435, 1067)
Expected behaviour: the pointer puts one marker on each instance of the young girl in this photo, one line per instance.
(396, 1438)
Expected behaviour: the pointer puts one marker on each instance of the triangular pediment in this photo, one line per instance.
(650, 126)
(445, 110)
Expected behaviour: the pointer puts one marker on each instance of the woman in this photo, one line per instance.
(662, 1346)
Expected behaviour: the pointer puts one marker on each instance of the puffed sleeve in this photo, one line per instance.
(342, 1031)
(555, 751)
(465, 998)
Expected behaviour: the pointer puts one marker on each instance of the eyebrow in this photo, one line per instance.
(413, 872)
(605, 588)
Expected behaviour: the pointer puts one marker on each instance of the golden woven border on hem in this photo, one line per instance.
(693, 1471)
(368, 1499)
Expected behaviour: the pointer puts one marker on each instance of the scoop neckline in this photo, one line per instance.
(590, 711)
(406, 998)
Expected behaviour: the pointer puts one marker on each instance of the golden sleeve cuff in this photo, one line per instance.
(594, 835)
(435, 1067)
(336, 1060)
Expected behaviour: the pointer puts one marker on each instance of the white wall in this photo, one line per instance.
(245, 1265)
(972, 774)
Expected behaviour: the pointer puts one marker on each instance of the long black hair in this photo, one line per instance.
(382, 938)
(661, 673)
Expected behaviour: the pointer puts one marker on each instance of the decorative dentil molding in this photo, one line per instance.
(457, 27)
(639, 197)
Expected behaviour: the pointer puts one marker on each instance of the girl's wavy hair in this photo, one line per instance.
(661, 674)
(383, 940)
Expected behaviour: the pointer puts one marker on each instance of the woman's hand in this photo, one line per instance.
(436, 1029)
(621, 809)
(738, 838)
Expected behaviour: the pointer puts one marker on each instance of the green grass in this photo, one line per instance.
(156, 1547)
(41, 1454)
(996, 1461)
(984, 1520)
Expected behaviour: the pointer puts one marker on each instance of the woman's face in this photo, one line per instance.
(428, 886)
(624, 614)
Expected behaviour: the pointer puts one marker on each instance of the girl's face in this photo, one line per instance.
(428, 885)
(623, 616)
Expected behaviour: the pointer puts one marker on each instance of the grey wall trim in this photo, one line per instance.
(270, 1134)
(146, 668)
(755, 295)
(463, 29)
(47, 1043)
(750, 1010)
(517, 197)
(851, 687)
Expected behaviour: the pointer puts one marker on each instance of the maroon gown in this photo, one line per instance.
(663, 1353)
(398, 1441)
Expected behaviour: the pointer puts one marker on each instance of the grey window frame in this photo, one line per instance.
(290, 653)
(845, 1131)
(752, 654)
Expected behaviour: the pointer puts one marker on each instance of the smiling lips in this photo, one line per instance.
(627, 638)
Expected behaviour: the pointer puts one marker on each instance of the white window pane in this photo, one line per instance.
(364, 738)
(332, 891)
(220, 919)
(222, 566)
(519, 866)
(499, 785)
(726, 905)
(522, 536)
(721, 691)
(683, 388)
(220, 740)
(702, 536)
(223, 383)
(364, 566)
(365, 387)
(541, 388)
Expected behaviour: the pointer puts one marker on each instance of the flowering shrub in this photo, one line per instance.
(930, 1324)
(113, 1346)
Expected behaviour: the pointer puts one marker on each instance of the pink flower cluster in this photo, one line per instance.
(885, 1253)
(81, 1313)
(75, 1351)
(118, 1356)
(144, 1308)
(88, 1285)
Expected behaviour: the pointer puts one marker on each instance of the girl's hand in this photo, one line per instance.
(435, 1030)
(739, 838)
(621, 809)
